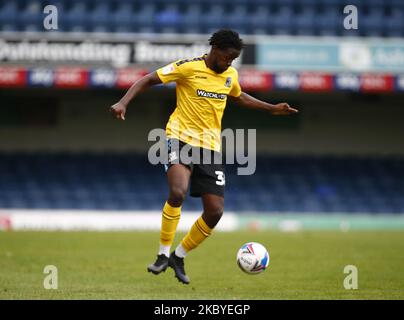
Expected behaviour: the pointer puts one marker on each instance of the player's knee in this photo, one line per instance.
(217, 213)
(213, 215)
(177, 196)
(213, 207)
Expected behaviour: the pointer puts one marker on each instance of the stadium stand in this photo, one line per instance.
(290, 17)
(128, 182)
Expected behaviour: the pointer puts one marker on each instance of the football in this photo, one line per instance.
(253, 258)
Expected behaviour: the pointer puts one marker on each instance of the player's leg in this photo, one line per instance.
(207, 182)
(178, 177)
(213, 206)
(202, 228)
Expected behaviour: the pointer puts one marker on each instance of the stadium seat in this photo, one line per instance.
(314, 5)
(394, 25)
(282, 21)
(262, 22)
(145, 18)
(169, 20)
(378, 5)
(235, 20)
(8, 15)
(76, 18)
(304, 22)
(372, 23)
(123, 18)
(213, 19)
(328, 24)
(281, 5)
(191, 20)
(100, 18)
(31, 17)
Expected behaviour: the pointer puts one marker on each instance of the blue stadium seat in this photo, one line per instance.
(304, 22)
(282, 21)
(76, 18)
(191, 21)
(372, 23)
(213, 19)
(100, 17)
(145, 18)
(394, 25)
(236, 20)
(308, 4)
(124, 19)
(169, 20)
(395, 3)
(8, 16)
(281, 5)
(262, 22)
(31, 17)
(375, 4)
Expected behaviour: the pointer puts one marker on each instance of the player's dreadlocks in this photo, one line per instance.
(224, 39)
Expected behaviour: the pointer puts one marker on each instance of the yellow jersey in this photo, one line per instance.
(201, 100)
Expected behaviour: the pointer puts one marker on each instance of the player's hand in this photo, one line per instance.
(118, 111)
(283, 109)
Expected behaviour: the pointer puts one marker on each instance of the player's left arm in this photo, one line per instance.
(250, 102)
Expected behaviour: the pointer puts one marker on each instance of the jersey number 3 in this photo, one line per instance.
(220, 178)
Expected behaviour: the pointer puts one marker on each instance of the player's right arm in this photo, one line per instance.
(118, 110)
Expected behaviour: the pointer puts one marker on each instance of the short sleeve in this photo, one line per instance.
(172, 72)
(235, 88)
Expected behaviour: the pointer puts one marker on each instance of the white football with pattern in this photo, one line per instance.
(253, 258)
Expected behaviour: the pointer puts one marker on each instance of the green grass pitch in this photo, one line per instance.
(112, 265)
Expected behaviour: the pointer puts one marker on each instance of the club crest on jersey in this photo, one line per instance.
(172, 156)
(228, 82)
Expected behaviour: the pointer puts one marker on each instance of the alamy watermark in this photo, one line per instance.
(351, 280)
(239, 148)
(351, 20)
(50, 22)
(51, 280)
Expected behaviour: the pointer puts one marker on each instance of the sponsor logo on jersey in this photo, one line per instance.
(207, 94)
